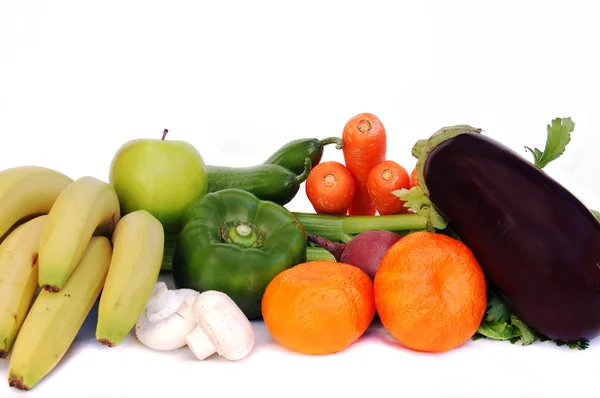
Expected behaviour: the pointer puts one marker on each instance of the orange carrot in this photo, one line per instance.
(330, 188)
(383, 179)
(414, 178)
(365, 145)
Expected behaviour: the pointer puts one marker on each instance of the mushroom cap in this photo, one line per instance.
(154, 304)
(224, 324)
(167, 318)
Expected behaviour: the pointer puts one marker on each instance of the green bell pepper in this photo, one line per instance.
(235, 243)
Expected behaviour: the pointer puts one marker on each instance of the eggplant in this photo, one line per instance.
(538, 244)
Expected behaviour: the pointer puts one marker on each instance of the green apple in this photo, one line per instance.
(160, 176)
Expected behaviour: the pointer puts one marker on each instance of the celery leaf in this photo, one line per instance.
(500, 323)
(496, 331)
(559, 136)
(527, 335)
(498, 311)
(415, 200)
(574, 345)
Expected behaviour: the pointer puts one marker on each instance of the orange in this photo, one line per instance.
(318, 307)
(430, 292)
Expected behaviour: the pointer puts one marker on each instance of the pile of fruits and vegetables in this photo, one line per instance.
(471, 241)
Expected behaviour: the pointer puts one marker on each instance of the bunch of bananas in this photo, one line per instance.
(65, 245)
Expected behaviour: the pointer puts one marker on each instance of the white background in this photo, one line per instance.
(238, 80)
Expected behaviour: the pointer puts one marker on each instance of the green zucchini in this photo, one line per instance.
(267, 181)
(292, 155)
(169, 251)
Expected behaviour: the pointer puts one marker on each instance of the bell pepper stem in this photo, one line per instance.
(242, 234)
(339, 144)
(300, 178)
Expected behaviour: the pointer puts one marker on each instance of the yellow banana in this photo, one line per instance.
(85, 208)
(55, 318)
(138, 245)
(27, 191)
(18, 279)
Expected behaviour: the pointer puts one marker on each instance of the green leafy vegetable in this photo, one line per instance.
(497, 331)
(579, 345)
(498, 310)
(596, 214)
(500, 323)
(415, 200)
(559, 135)
(527, 335)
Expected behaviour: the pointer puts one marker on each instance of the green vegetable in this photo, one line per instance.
(268, 181)
(312, 253)
(343, 228)
(500, 323)
(293, 154)
(559, 135)
(170, 243)
(416, 201)
(235, 243)
(317, 253)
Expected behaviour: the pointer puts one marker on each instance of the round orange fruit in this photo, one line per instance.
(318, 307)
(430, 292)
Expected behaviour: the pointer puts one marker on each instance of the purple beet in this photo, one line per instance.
(364, 251)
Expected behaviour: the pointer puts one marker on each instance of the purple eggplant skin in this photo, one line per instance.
(536, 242)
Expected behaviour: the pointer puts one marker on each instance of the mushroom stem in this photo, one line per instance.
(222, 328)
(200, 344)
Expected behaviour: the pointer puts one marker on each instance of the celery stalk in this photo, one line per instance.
(342, 228)
(317, 253)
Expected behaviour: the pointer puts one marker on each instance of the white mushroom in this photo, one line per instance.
(222, 328)
(167, 318)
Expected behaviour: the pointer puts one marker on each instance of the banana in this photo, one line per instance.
(87, 207)
(18, 279)
(55, 318)
(138, 245)
(27, 191)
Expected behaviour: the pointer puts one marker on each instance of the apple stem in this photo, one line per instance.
(165, 131)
